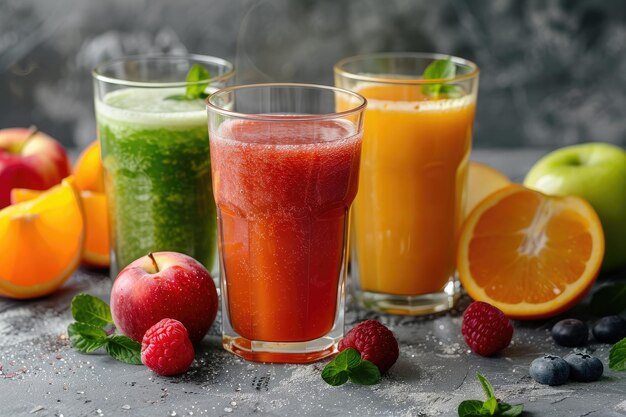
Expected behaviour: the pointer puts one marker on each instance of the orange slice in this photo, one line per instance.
(41, 242)
(88, 171)
(96, 249)
(482, 181)
(529, 254)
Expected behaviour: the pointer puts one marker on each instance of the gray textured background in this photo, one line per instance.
(553, 72)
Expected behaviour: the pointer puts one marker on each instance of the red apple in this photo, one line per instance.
(29, 159)
(164, 285)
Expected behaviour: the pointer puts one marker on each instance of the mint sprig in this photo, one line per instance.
(87, 333)
(195, 89)
(491, 406)
(441, 69)
(91, 310)
(617, 356)
(348, 365)
(124, 349)
(86, 337)
(609, 300)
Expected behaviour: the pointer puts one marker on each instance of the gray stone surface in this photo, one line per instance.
(40, 375)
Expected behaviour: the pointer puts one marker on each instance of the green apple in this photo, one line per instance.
(596, 172)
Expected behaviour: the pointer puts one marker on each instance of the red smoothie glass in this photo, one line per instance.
(285, 168)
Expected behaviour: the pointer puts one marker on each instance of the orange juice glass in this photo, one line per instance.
(285, 172)
(409, 207)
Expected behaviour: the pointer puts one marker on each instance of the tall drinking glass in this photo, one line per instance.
(416, 146)
(285, 171)
(155, 153)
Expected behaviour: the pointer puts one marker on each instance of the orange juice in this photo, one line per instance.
(411, 189)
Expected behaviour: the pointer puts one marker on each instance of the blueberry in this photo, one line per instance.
(570, 333)
(583, 367)
(610, 329)
(549, 370)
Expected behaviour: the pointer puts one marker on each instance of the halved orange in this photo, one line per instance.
(482, 180)
(529, 254)
(41, 242)
(88, 171)
(96, 249)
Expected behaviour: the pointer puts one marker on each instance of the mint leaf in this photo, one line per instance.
(195, 89)
(441, 69)
(85, 337)
(617, 356)
(470, 408)
(334, 375)
(197, 73)
(486, 386)
(609, 300)
(348, 358)
(124, 349)
(348, 365)
(365, 373)
(91, 310)
(490, 406)
(336, 372)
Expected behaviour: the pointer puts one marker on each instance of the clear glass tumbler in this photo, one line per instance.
(416, 147)
(155, 153)
(285, 172)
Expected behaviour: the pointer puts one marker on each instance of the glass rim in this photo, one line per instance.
(339, 68)
(97, 74)
(210, 105)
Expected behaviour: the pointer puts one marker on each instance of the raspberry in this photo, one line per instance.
(166, 348)
(374, 342)
(486, 329)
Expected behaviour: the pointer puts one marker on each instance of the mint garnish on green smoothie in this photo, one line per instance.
(491, 406)
(88, 333)
(196, 89)
(441, 69)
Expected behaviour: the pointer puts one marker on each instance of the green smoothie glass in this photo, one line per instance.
(155, 153)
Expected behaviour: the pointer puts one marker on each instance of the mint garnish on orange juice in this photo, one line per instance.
(441, 69)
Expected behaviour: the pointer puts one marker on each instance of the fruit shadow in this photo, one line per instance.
(210, 362)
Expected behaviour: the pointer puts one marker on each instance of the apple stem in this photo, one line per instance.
(151, 256)
(32, 131)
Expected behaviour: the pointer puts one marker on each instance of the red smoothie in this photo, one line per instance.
(283, 190)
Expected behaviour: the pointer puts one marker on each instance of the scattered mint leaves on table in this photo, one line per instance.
(87, 333)
(124, 349)
(617, 356)
(609, 300)
(195, 89)
(348, 365)
(490, 407)
(441, 69)
(86, 337)
(91, 310)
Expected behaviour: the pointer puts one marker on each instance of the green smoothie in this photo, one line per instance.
(155, 154)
